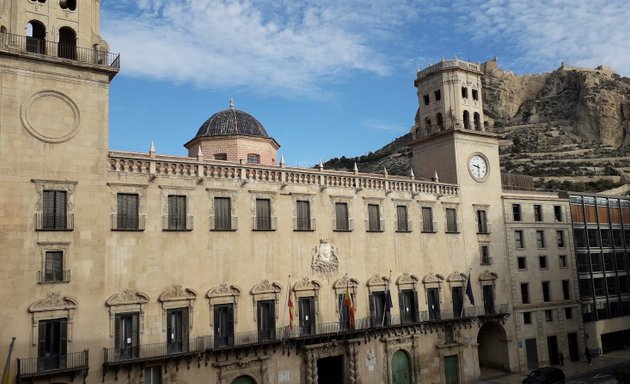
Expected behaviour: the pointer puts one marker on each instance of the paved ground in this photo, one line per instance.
(600, 372)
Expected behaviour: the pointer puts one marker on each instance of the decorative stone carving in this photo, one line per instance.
(224, 290)
(307, 284)
(266, 287)
(432, 278)
(54, 301)
(407, 279)
(325, 258)
(456, 277)
(177, 292)
(487, 276)
(51, 117)
(127, 296)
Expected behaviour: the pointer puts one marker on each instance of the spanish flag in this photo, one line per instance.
(347, 302)
(291, 312)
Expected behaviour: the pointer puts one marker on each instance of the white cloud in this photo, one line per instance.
(579, 32)
(279, 46)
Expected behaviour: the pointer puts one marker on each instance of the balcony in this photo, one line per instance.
(54, 277)
(52, 222)
(219, 223)
(67, 52)
(128, 222)
(152, 352)
(40, 368)
(264, 223)
(304, 224)
(177, 223)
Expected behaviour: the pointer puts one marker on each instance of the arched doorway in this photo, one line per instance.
(243, 380)
(35, 37)
(67, 47)
(401, 368)
(493, 349)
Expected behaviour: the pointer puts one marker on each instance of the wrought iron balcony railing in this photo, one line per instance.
(39, 367)
(153, 351)
(24, 44)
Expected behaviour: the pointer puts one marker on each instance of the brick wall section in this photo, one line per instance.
(236, 149)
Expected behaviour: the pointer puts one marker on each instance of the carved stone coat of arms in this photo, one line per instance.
(325, 258)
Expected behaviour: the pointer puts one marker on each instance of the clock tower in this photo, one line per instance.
(450, 143)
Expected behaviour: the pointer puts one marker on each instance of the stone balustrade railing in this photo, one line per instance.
(159, 165)
(455, 63)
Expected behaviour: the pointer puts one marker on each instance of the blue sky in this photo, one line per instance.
(327, 78)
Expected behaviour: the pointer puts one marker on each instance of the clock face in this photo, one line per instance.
(478, 167)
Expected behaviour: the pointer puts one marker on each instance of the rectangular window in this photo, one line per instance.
(220, 156)
(542, 261)
(605, 237)
(266, 313)
(568, 313)
(54, 212)
(344, 313)
(488, 299)
(580, 237)
(527, 317)
(177, 213)
(540, 239)
(565, 290)
(263, 215)
(538, 215)
(518, 239)
(127, 336)
(557, 213)
(379, 317)
(464, 92)
(253, 158)
(525, 293)
(522, 263)
(177, 330)
(593, 238)
(548, 315)
(609, 262)
(127, 216)
(563, 261)
(560, 239)
(438, 95)
(52, 343)
(451, 220)
(485, 255)
(153, 375)
(617, 238)
(596, 262)
(546, 291)
(433, 301)
(374, 218)
(303, 218)
(427, 220)
(482, 221)
(223, 325)
(402, 221)
(426, 99)
(457, 295)
(475, 94)
(306, 312)
(516, 212)
(342, 222)
(408, 301)
(53, 267)
(222, 214)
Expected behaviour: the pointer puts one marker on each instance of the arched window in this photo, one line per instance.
(67, 47)
(466, 120)
(35, 37)
(70, 5)
(477, 121)
(440, 121)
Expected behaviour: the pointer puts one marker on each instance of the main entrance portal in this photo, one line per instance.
(493, 350)
(330, 370)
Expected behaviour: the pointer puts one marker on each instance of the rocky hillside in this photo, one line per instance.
(569, 129)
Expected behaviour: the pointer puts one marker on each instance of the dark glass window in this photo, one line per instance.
(253, 158)
(127, 339)
(568, 313)
(307, 315)
(266, 320)
(527, 317)
(565, 290)
(580, 237)
(426, 99)
(488, 299)
(220, 156)
(177, 212)
(427, 219)
(127, 216)
(464, 92)
(560, 239)
(593, 238)
(379, 316)
(557, 212)
(546, 291)
(438, 95)
(525, 293)
(542, 261)
(433, 301)
(538, 213)
(222, 214)
(177, 330)
(408, 300)
(223, 325)
(263, 214)
(402, 221)
(53, 272)
(475, 94)
(457, 295)
(303, 218)
(451, 220)
(516, 212)
(522, 263)
(540, 239)
(52, 343)
(563, 261)
(54, 215)
(374, 218)
(482, 221)
(342, 223)
(518, 239)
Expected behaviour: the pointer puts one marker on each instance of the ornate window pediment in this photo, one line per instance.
(407, 281)
(223, 294)
(127, 296)
(307, 285)
(433, 278)
(488, 278)
(126, 301)
(177, 296)
(377, 283)
(266, 290)
(53, 306)
(456, 278)
(345, 282)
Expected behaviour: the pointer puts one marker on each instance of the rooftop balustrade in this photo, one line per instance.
(173, 166)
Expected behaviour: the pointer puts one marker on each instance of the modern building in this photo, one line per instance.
(601, 227)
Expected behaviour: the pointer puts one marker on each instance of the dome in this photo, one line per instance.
(232, 122)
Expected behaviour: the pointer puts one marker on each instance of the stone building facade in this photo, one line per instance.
(227, 266)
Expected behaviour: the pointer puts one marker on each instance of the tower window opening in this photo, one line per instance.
(427, 122)
(465, 92)
(35, 37)
(253, 158)
(477, 121)
(438, 95)
(70, 5)
(67, 47)
(440, 121)
(466, 120)
(426, 99)
(475, 94)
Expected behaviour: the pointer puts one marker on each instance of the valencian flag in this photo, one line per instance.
(347, 302)
(291, 311)
(469, 291)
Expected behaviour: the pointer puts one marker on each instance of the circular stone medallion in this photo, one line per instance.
(50, 116)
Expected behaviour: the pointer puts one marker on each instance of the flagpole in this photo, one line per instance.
(7, 364)
(342, 299)
(461, 314)
(284, 312)
(386, 303)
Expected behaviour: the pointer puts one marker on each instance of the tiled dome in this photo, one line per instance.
(232, 122)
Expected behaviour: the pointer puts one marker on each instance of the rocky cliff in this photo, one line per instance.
(579, 116)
